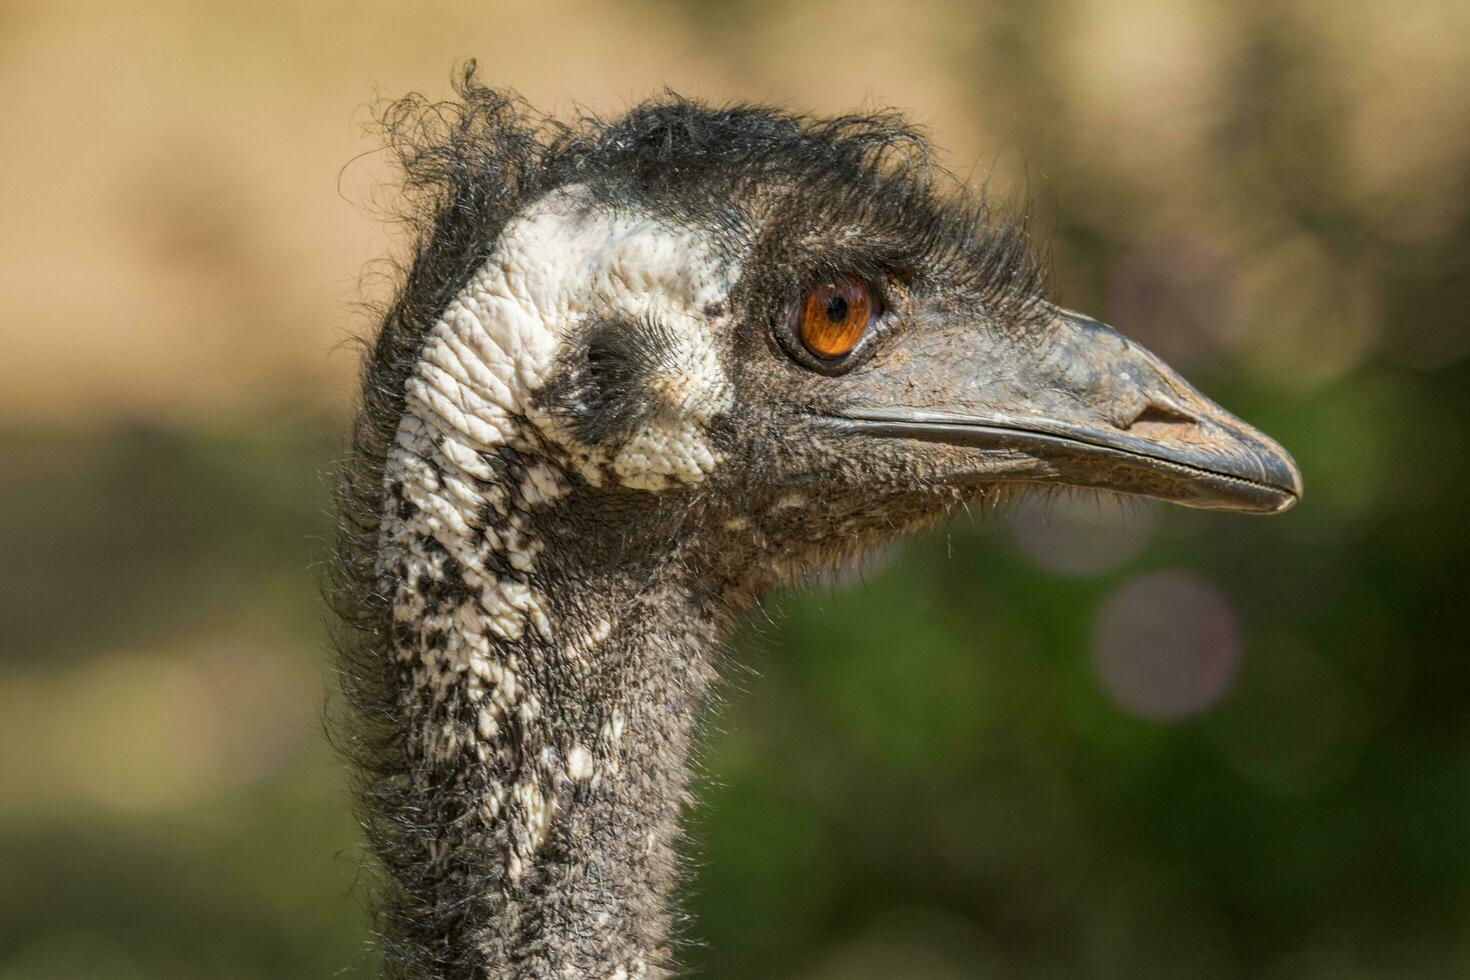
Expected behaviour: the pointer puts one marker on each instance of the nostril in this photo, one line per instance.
(1161, 413)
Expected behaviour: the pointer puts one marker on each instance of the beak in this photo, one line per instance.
(1074, 403)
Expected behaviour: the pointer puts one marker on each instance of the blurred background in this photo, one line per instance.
(1079, 740)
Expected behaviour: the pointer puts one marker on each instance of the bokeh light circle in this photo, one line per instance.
(1166, 645)
(1080, 534)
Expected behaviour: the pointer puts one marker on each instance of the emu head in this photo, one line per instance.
(639, 370)
(796, 338)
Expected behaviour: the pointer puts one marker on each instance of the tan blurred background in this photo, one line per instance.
(1129, 742)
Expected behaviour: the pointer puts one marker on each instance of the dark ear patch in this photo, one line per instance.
(603, 389)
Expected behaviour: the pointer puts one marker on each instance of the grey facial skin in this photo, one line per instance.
(1075, 403)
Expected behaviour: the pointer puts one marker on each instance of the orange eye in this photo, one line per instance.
(834, 316)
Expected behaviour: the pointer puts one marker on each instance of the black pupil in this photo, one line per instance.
(836, 309)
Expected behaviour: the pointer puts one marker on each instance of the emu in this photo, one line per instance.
(636, 372)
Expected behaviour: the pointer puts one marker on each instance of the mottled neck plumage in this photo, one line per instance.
(549, 646)
(549, 714)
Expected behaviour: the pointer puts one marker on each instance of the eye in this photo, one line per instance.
(834, 316)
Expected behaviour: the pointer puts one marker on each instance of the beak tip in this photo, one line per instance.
(1282, 473)
(1287, 502)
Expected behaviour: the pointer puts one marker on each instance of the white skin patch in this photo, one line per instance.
(556, 268)
(579, 764)
(537, 811)
(790, 501)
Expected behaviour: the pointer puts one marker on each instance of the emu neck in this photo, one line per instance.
(550, 674)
